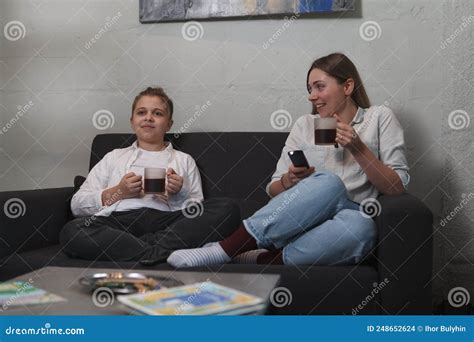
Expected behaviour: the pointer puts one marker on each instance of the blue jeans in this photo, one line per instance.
(315, 224)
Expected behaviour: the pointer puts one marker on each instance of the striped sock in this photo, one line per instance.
(198, 257)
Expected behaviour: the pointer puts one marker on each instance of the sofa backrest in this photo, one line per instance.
(235, 164)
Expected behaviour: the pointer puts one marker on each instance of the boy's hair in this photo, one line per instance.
(155, 91)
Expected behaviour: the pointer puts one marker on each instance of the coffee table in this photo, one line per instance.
(64, 281)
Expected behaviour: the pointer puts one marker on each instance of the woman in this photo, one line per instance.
(127, 224)
(314, 216)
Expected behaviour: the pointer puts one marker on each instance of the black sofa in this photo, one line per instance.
(239, 165)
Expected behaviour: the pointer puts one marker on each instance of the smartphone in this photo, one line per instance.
(298, 158)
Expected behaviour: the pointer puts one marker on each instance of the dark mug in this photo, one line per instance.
(325, 131)
(154, 180)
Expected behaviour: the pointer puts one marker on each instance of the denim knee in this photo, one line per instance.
(330, 180)
(346, 240)
(363, 230)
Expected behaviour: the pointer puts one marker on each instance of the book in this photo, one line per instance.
(23, 293)
(205, 298)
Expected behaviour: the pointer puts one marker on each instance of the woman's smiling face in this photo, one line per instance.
(325, 93)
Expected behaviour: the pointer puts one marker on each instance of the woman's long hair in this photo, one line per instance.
(341, 68)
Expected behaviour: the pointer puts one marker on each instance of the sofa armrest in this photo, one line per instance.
(405, 254)
(32, 219)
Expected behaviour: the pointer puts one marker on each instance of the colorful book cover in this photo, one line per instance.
(23, 293)
(197, 299)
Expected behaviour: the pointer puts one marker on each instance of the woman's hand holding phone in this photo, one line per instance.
(295, 174)
(298, 170)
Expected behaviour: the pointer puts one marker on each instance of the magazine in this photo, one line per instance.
(205, 298)
(23, 293)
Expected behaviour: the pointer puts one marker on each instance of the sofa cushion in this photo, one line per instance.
(78, 181)
(248, 207)
(35, 219)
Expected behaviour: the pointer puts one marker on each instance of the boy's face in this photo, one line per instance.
(151, 120)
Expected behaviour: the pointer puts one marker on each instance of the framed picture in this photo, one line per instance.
(152, 11)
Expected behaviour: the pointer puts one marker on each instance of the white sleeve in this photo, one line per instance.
(392, 145)
(88, 199)
(192, 187)
(292, 143)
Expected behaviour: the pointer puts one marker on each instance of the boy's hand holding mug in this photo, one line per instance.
(174, 183)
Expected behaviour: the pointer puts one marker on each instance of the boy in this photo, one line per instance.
(128, 225)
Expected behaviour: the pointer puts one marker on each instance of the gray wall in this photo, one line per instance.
(246, 75)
